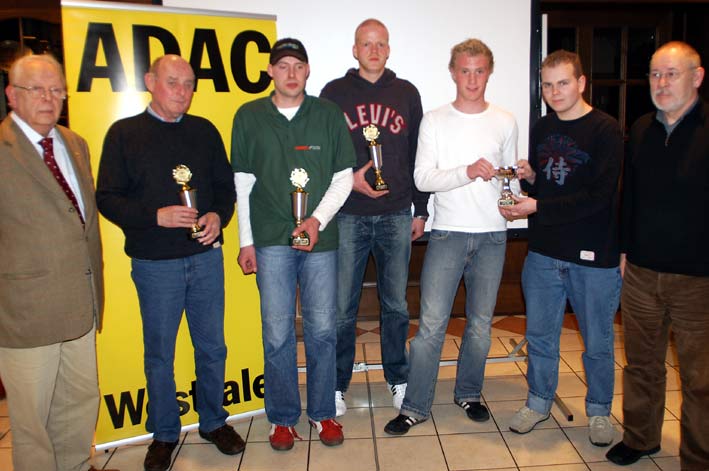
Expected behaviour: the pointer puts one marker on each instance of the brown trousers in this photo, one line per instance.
(651, 302)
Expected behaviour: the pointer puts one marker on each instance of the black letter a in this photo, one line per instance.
(113, 70)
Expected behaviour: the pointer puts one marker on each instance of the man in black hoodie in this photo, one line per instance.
(377, 221)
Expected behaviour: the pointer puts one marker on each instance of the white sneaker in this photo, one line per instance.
(340, 406)
(398, 392)
(526, 419)
(600, 430)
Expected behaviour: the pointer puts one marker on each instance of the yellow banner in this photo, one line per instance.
(107, 49)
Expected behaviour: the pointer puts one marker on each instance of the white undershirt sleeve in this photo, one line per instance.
(333, 199)
(244, 183)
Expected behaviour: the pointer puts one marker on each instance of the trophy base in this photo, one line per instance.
(196, 232)
(503, 202)
(381, 186)
(301, 240)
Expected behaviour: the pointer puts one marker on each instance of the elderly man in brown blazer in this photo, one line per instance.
(51, 286)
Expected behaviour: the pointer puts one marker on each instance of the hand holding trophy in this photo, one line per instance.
(299, 198)
(371, 133)
(506, 174)
(188, 196)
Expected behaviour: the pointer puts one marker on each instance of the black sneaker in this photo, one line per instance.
(622, 455)
(475, 410)
(401, 424)
(226, 439)
(159, 456)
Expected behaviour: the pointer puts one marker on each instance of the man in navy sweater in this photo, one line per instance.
(664, 231)
(142, 164)
(377, 221)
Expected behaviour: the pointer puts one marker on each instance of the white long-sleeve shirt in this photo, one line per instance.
(449, 141)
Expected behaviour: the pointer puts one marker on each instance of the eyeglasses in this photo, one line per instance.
(671, 75)
(41, 92)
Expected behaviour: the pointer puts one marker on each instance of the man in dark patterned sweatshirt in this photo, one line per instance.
(379, 109)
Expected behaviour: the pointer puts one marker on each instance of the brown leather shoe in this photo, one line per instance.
(159, 455)
(226, 439)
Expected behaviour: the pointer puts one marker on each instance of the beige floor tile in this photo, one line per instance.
(541, 447)
(352, 455)
(357, 394)
(670, 463)
(497, 348)
(577, 407)
(359, 352)
(383, 415)
(617, 407)
(645, 464)
(450, 349)
(261, 457)
(618, 382)
(587, 450)
(300, 349)
(6, 459)
(506, 368)
(131, 457)
(502, 412)
(410, 452)
(367, 325)
(99, 458)
(450, 418)
(5, 433)
(619, 340)
(373, 352)
(573, 359)
(505, 388)
(671, 356)
(558, 467)
(673, 380)
(368, 337)
(204, 457)
(570, 342)
(356, 423)
(447, 372)
(360, 377)
(381, 395)
(620, 359)
(3, 408)
(570, 385)
(476, 451)
(376, 376)
(444, 391)
(670, 438)
(673, 403)
(509, 342)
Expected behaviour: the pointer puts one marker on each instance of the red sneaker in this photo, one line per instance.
(282, 438)
(329, 430)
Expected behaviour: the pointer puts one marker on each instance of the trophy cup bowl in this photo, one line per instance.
(300, 208)
(506, 174)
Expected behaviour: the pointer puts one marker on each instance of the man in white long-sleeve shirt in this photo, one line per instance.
(279, 143)
(460, 145)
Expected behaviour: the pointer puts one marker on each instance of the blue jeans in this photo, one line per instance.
(280, 269)
(478, 258)
(166, 288)
(388, 238)
(594, 294)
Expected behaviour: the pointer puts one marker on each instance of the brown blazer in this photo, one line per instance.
(51, 268)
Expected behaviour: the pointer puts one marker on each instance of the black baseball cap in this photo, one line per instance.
(288, 47)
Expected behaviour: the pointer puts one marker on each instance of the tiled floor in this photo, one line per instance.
(449, 441)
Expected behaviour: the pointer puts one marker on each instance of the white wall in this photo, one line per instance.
(422, 33)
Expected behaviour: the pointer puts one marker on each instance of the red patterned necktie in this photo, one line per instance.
(48, 155)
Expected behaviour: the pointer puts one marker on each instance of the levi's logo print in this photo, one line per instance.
(560, 157)
(375, 113)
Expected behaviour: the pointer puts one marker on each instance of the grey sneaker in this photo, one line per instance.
(340, 406)
(600, 430)
(526, 419)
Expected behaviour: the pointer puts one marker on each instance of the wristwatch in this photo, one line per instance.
(423, 218)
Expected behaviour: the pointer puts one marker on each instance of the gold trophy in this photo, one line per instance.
(299, 198)
(506, 174)
(188, 195)
(371, 133)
